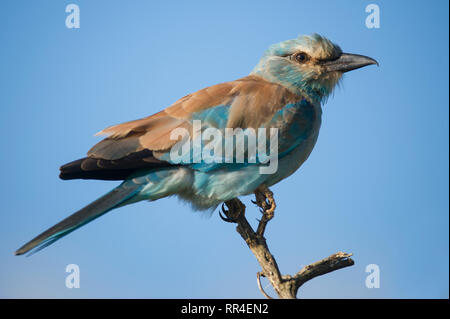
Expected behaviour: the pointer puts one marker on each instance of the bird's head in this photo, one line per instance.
(308, 65)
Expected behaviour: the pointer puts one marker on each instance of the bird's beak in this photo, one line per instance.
(348, 62)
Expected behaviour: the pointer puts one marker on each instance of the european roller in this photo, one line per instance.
(284, 91)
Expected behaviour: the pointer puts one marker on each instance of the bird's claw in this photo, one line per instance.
(234, 211)
(265, 201)
(223, 211)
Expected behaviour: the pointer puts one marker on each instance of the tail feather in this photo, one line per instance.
(92, 211)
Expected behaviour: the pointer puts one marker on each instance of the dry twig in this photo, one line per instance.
(286, 286)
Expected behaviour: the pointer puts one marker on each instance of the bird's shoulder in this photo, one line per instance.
(250, 95)
(247, 102)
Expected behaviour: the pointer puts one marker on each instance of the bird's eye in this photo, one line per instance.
(301, 57)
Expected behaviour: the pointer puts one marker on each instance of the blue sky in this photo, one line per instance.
(376, 184)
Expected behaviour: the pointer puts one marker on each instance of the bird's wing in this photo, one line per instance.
(250, 102)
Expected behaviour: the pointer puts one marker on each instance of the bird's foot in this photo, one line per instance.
(233, 211)
(265, 201)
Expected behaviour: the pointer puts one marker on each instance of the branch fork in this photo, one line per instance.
(286, 286)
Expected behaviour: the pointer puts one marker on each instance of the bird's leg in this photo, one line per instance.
(236, 209)
(264, 200)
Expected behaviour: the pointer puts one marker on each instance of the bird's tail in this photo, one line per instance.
(104, 204)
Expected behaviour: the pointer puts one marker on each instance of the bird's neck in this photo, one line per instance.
(292, 80)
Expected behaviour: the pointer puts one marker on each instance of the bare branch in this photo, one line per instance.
(285, 286)
(322, 267)
(258, 279)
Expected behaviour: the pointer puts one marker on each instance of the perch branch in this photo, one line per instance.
(285, 286)
(258, 278)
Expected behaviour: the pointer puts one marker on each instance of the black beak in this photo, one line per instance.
(348, 62)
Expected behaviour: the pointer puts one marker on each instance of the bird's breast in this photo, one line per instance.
(299, 126)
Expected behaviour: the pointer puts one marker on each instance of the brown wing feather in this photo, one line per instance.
(131, 145)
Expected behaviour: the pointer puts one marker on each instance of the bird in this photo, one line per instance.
(285, 91)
